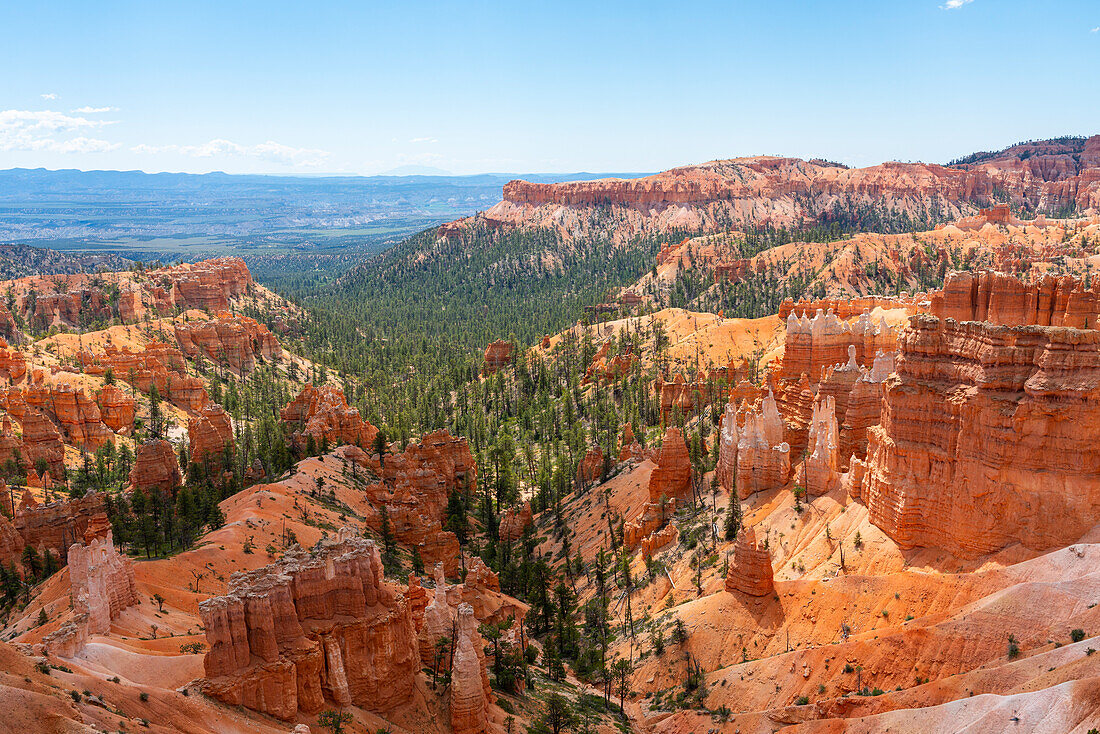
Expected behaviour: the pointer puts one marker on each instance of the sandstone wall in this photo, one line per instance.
(308, 629)
(990, 435)
(1003, 299)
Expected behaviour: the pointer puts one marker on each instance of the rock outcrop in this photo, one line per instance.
(813, 345)
(498, 355)
(514, 521)
(751, 570)
(763, 458)
(210, 434)
(672, 477)
(469, 695)
(311, 628)
(864, 408)
(117, 409)
(438, 624)
(156, 364)
(422, 478)
(1003, 299)
(156, 468)
(229, 339)
(102, 580)
(990, 435)
(590, 467)
(822, 465)
(728, 436)
(74, 411)
(55, 526)
(790, 192)
(324, 414)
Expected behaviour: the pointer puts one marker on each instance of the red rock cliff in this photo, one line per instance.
(308, 629)
(990, 435)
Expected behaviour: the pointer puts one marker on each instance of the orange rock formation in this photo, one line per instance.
(751, 570)
(324, 414)
(989, 436)
(155, 467)
(311, 628)
(1004, 299)
(209, 434)
(672, 477)
(228, 339)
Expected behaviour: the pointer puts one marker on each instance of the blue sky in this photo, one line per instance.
(362, 87)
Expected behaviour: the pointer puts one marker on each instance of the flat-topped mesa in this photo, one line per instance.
(310, 628)
(470, 694)
(498, 355)
(728, 436)
(1003, 299)
(156, 468)
(850, 308)
(229, 339)
(990, 435)
(751, 570)
(514, 521)
(822, 464)
(864, 408)
(55, 526)
(671, 478)
(210, 435)
(323, 413)
(813, 345)
(763, 458)
(423, 477)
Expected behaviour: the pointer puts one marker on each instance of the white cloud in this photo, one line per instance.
(93, 110)
(1095, 30)
(423, 140)
(270, 151)
(955, 4)
(49, 96)
(49, 130)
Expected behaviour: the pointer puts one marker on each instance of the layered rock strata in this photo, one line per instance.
(324, 414)
(514, 521)
(813, 345)
(763, 458)
(210, 434)
(229, 339)
(470, 694)
(498, 355)
(672, 476)
(822, 465)
(308, 629)
(990, 435)
(156, 468)
(750, 572)
(1003, 299)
